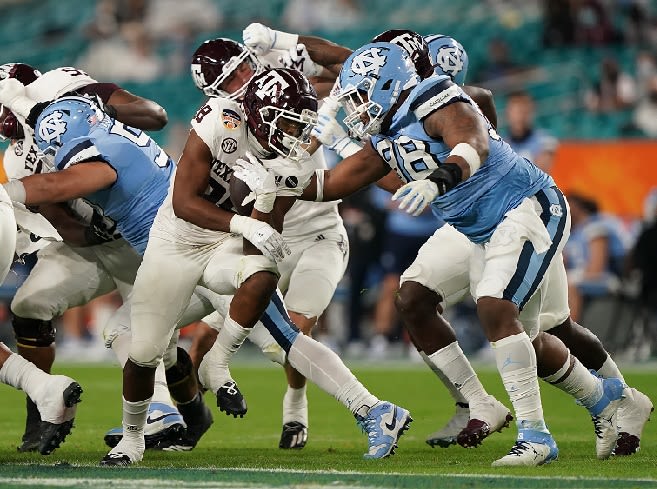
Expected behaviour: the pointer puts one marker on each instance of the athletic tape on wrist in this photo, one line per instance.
(319, 185)
(469, 154)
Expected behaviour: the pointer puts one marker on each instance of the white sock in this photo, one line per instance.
(610, 370)
(22, 374)
(453, 391)
(516, 362)
(457, 374)
(213, 371)
(295, 406)
(579, 383)
(134, 419)
(322, 366)
(161, 389)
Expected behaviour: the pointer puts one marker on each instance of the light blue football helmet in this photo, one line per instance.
(448, 57)
(370, 83)
(63, 120)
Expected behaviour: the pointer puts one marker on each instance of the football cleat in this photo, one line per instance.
(125, 453)
(193, 433)
(532, 448)
(32, 436)
(485, 418)
(633, 413)
(384, 424)
(446, 436)
(57, 406)
(115, 460)
(164, 427)
(295, 435)
(604, 414)
(230, 400)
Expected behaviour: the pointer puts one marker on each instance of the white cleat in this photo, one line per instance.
(446, 436)
(532, 448)
(604, 416)
(633, 413)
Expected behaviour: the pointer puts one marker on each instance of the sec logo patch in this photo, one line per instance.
(229, 145)
(231, 119)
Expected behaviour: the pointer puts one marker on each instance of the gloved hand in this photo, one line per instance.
(329, 131)
(298, 59)
(261, 39)
(416, 196)
(261, 182)
(262, 236)
(12, 96)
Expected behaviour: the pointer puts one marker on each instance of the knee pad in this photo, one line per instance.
(145, 354)
(33, 333)
(182, 369)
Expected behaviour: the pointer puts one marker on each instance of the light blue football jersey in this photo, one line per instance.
(477, 205)
(143, 172)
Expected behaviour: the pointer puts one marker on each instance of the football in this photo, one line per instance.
(238, 192)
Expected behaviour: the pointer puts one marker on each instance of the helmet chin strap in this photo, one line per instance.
(256, 147)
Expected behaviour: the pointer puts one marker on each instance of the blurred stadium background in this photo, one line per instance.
(588, 65)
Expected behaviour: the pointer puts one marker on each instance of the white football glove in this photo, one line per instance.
(12, 95)
(298, 59)
(261, 39)
(330, 133)
(262, 236)
(416, 196)
(261, 182)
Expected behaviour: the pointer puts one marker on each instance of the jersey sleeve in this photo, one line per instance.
(289, 177)
(215, 120)
(435, 93)
(56, 83)
(77, 151)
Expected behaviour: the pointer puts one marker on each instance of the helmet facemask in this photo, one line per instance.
(214, 88)
(288, 131)
(364, 116)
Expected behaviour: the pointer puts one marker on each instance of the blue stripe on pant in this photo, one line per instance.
(531, 266)
(278, 323)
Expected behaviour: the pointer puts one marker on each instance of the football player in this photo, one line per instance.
(431, 283)
(314, 232)
(196, 236)
(406, 118)
(83, 256)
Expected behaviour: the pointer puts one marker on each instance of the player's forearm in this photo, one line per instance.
(324, 52)
(147, 116)
(67, 225)
(198, 211)
(49, 188)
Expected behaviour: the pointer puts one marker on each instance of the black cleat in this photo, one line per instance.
(52, 435)
(295, 435)
(115, 460)
(32, 436)
(196, 428)
(230, 400)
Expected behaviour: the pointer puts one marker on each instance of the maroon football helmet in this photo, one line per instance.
(281, 110)
(215, 60)
(26, 74)
(414, 44)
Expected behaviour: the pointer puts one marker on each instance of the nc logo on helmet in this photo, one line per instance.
(449, 60)
(368, 62)
(52, 127)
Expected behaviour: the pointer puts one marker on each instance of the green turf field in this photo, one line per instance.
(244, 453)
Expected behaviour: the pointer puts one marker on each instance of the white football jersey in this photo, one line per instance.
(221, 124)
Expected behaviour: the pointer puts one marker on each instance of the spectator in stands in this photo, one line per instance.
(592, 23)
(528, 141)
(594, 254)
(308, 15)
(615, 90)
(645, 114)
(499, 63)
(642, 257)
(558, 23)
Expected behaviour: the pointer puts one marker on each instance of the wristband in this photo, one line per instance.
(15, 190)
(319, 185)
(469, 154)
(348, 149)
(284, 40)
